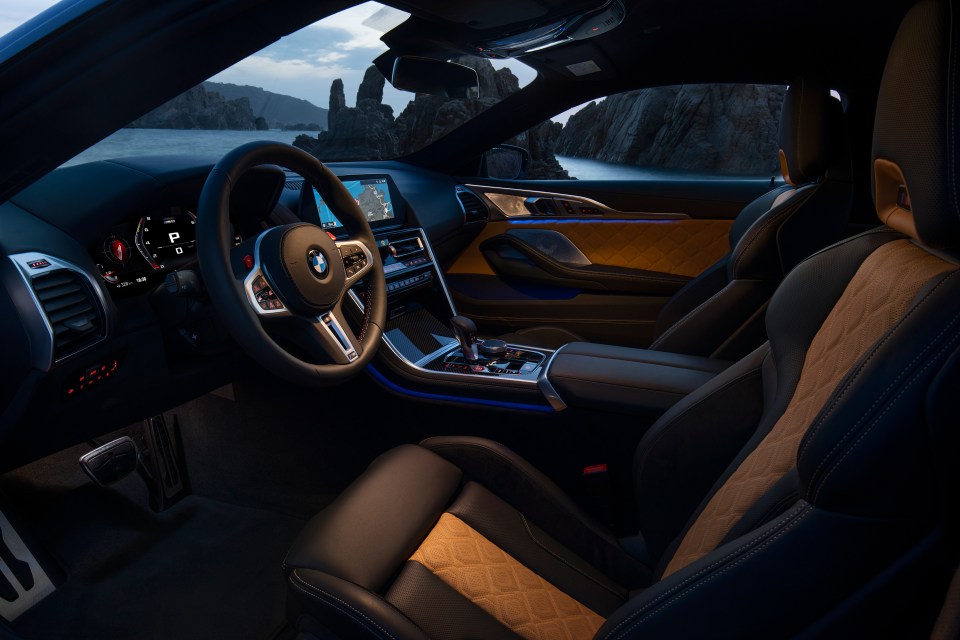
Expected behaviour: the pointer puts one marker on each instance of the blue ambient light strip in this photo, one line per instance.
(517, 406)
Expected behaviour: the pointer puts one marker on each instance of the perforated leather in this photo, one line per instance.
(492, 579)
(878, 296)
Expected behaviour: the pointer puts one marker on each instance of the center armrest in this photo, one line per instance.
(638, 381)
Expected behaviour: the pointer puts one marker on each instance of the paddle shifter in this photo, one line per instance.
(466, 332)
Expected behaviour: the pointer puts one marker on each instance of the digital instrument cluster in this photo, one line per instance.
(137, 255)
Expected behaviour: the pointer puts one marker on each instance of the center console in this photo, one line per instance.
(419, 343)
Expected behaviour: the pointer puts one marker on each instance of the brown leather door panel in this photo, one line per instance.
(683, 247)
(596, 258)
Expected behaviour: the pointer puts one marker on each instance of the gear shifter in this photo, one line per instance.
(466, 332)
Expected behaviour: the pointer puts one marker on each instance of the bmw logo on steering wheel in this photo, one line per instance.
(318, 264)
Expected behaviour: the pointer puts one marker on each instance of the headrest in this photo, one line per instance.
(805, 132)
(916, 175)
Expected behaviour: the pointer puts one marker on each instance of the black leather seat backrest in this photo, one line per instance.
(720, 313)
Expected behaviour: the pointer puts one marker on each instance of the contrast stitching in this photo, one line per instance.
(367, 311)
(880, 398)
(667, 594)
(563, 560)
(310, 589)
(852, 375)
(890, 405)
(775, 532)
(779, 534)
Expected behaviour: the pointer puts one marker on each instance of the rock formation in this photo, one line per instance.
(278, 110)
(197, 108)
(364, 132)
(369, 131)
(727, 129)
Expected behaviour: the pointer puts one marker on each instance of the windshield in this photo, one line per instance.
(317, 89)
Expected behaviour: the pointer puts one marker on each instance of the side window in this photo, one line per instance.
(680, 130)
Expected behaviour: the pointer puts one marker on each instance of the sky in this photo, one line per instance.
(306, 62)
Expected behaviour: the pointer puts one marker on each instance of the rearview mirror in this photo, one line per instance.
(506, 162)
(435, 77)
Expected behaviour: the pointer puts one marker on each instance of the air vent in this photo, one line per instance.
(473, 208)
(71, 309)
(293, 185)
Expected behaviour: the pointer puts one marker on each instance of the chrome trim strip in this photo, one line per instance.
(42, 341)
(525, 193)
(543, 382)
(442, 351)
(42, 585)
(439, 272)
(335, 331)
(248, 285)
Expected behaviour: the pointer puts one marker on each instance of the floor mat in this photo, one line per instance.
(201, 569)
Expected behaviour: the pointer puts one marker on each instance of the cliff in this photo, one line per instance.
(370, 131)
(197, 108)
(728, 129)
(278, 110)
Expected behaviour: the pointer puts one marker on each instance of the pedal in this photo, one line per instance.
(162, 469)
(111, 462)
(23, 582)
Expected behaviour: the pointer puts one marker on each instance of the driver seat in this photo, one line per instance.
(800, 491)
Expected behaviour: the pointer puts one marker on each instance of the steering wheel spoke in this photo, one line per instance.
(261, 296)
(357, 259)
(336, 337)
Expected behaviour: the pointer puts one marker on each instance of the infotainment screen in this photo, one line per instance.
(371, 194)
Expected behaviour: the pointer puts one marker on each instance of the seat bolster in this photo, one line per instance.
(845, 459)
(537, 550)
(757, 254)
(700, 435)
(726, 325)
(379, 520)
(516, 481)
(348, 611)
(773, 582)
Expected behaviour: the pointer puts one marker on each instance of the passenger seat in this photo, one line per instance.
(720, 313)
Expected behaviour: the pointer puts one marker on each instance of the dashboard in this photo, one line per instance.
(121, 228)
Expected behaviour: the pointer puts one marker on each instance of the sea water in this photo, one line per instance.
(214, 144)
(158, 142)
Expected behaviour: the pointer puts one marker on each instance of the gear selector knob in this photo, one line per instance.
(466, 332)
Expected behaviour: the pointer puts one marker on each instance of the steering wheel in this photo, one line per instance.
(293, 277)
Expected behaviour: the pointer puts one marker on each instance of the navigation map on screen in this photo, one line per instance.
(371, 194)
